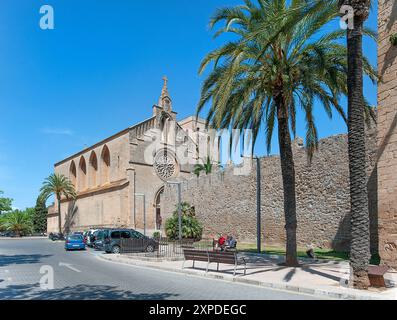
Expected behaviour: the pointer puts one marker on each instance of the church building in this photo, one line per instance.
(120, 181)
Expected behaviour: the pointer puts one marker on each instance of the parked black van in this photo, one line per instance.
(98, 238)
(134, 241)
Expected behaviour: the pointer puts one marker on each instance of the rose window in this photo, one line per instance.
(165, 166)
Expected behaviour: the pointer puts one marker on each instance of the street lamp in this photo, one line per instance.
(179, 184)
(144, 211)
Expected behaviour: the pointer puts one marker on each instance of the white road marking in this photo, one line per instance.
(69, 266)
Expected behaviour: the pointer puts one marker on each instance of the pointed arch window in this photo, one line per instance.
(105, 165)
(165, 127)
(93, 170)
(73, 173)
(82, 174)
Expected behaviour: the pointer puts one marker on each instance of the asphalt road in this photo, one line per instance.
(82, 275)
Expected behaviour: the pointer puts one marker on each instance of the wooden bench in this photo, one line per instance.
(194, 255)
(214, 257)
(376, 276)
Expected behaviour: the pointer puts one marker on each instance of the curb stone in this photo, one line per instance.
(23, 238)
(320, 293)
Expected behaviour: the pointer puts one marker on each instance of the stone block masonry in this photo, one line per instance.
(226, 202)
(387, 132)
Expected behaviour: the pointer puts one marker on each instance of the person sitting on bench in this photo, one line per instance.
(221, 242)
(231, 243)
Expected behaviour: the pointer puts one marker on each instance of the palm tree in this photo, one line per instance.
(18, 222)
(278, 61)
(59, 186)
(206, 167)
(360, 228)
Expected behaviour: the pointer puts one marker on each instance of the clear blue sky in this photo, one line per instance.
(97, 73)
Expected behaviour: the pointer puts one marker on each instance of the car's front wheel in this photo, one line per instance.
(116, 250)
(150, 248)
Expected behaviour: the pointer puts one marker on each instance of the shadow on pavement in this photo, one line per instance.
(79, 292)
(21, 259)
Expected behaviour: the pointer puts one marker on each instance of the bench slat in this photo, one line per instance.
(195, 255)
(223, 257)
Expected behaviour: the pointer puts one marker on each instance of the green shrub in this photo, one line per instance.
(393, 39)
(191, 227)
(19, 222)
(156, 235)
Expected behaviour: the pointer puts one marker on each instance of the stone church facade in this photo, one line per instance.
(120, 180)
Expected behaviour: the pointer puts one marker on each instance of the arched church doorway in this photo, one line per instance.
(157, 208)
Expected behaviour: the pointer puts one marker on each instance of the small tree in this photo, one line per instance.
(191, 227)
(2, 222)
(58, 185)
(5, 203)
(40, 216)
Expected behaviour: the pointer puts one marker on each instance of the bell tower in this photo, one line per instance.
(165, 101)
(164, 105)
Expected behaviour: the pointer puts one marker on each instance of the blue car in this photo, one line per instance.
(74, 242)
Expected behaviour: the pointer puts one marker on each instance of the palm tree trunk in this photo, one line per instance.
(288, 175)
(59, 215)
(360, 235)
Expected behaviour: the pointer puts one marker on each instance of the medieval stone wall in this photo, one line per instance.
(387, 132)
(226, 202)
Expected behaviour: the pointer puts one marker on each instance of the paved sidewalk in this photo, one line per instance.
(24, 238)
(319, 278)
